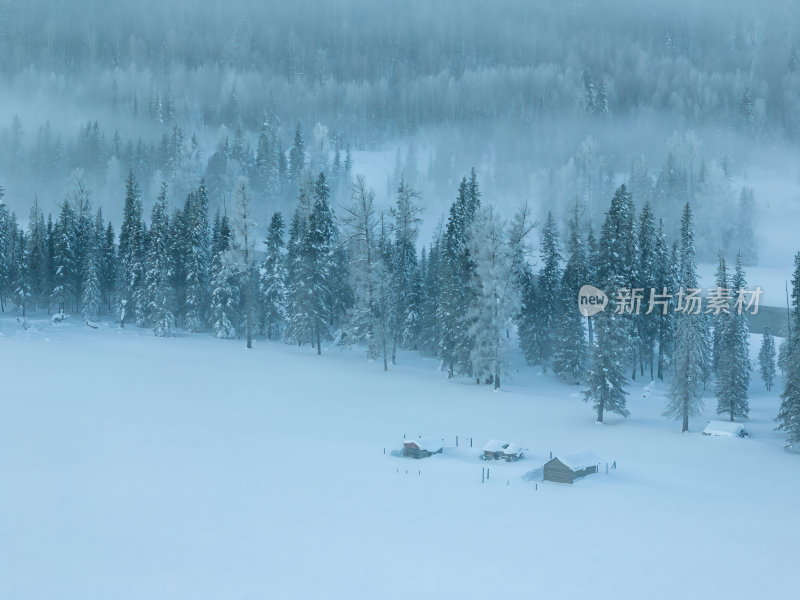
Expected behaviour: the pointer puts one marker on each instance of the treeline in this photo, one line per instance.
(360, 278)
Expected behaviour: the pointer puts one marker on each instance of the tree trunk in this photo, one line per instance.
(600, 412)
(685, 426)
(497, 381)
(319, 346)
(591, 330)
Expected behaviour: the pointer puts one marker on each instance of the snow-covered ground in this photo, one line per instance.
(133, 467)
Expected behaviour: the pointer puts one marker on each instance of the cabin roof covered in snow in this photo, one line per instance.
(723, 428)
(579, 460)
(429, 444)
(512, 448)
(495, 446)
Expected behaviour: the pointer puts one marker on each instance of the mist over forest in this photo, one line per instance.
(552, 102)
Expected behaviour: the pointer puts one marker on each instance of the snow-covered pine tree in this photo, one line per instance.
(318, 248)
(789, 413)
(647, 321)
(720, 320)
(37, 256)
(570, 347)
(766, 359)
(404, 270)
(158, 274)
(495, 295)
(733, 377)
(692, 348)
(108, 258)
(65, 261)
(297, 156)
(20, 274)
(91, 292)
(225, 293)
(272, 285)
(197, 261)
(606, 380)
(617, 260)
(665, 283)
(548, 305)
(455, 273)
(297, 322)
(130, 287)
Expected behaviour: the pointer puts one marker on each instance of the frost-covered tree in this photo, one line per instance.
(789, 413)
(692, 352)
(548, 305)
(242, 253)
(158, 274)
(197, 260)
(404, 269)
(733, 371)
(766, 359)
(36, 256)
(570, 349)
(225, 294)
(65, 260)
(92, 293)
(368, 319)
(297, 156)
(606, 380)
(272, 284)
(647, 321)
(130, 289)
(495, 295)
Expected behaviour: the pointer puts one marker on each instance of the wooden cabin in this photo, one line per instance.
(497, 450)
(568, 468)
(422, 448)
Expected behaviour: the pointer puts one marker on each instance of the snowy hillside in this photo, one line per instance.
(137, 467)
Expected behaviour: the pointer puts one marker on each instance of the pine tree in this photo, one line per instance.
(404, 269)
(766, 359)
(721, 313)
(734, 365)
(692, 352)
(606, 378)
(65, 265)
(570, 348)
(130, 289)
(318, 249)
(647, 321)
(225, 294)
(548, 305)
(297, 157)
(789, 413)
(108, 259)
(37, 256)
(197, 259)
(158, 276)
(495, 295)
(456, 271)
(91, 294)
(273, 279)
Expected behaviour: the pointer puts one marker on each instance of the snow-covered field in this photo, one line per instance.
(133, 467)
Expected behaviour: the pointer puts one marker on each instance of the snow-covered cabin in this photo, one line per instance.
(497, 450)
(422, 448)
(725, 429)
(568, 468)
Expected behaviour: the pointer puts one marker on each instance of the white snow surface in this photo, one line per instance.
(134, 468)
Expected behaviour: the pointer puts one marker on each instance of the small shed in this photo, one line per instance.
(725, 429)
(422, 448)
(568, 468)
